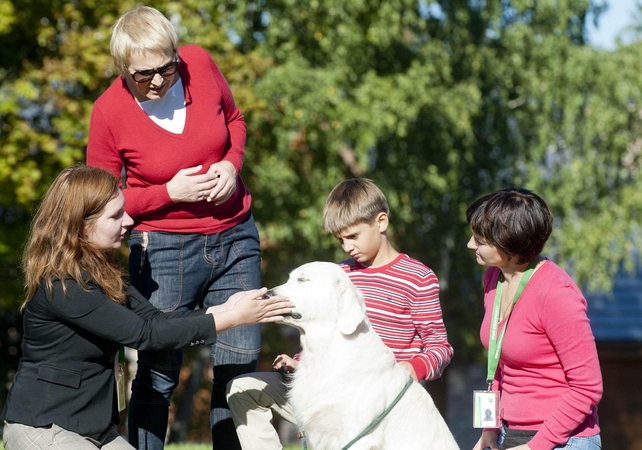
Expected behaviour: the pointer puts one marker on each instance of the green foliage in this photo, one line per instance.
(440, 104)
(436, 101)
(188, 446)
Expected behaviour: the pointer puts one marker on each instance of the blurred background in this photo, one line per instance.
(438, 102)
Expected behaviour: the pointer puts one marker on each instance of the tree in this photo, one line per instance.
(440, 102)
(437, 101)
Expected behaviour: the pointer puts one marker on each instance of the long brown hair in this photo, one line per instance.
(57, 247)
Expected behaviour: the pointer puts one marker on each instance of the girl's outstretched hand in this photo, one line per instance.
(250, 307)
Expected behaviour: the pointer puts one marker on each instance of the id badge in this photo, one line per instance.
(120, 386)
(486, 409)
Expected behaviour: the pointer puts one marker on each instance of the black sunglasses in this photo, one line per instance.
(167, 70)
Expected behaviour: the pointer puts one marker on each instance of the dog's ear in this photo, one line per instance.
(352, 310)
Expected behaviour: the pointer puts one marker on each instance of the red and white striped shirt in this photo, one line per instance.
(402, 304)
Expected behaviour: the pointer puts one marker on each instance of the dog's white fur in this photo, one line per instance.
(347, 377)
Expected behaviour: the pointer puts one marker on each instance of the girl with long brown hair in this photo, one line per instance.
(79, 310)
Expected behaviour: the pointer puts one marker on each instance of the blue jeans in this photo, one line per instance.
(582, 443)
(180, 272)
(574, 442)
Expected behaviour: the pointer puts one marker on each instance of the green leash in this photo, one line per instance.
(376, 422)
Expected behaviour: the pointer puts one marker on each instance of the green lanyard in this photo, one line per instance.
(495, 344)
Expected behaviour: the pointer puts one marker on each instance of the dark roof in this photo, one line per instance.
(616, 316)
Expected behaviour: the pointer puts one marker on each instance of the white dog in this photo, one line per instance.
(347, 378)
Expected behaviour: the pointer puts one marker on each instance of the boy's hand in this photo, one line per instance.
(408, 368)
(285, 364)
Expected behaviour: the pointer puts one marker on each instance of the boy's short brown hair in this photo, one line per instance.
(351, 202)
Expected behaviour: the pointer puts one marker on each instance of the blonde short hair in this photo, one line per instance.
(351, 202)
(142, 29)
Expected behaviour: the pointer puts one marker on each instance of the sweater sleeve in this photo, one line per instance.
(142, 307)
(428, 320)
(564, 317)
(234, 120)
(139, 327)
(101, 146)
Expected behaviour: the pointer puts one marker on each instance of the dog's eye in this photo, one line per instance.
(302, 280)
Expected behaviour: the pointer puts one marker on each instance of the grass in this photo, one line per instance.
(209, 447)
(188, 447)
(204, 447)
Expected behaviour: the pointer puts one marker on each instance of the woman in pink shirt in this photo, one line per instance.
(548, 374)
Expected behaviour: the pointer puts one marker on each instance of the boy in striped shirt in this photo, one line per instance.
(402, 303)
(401, 294)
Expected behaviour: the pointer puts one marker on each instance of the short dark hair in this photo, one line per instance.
(515, 220)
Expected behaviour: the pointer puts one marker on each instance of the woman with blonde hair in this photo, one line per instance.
(170, 124)
(79, 311)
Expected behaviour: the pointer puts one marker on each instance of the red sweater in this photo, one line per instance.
(402, 304)
(549, 374)
(122, 135)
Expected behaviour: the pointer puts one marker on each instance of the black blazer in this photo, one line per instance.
(66, 374)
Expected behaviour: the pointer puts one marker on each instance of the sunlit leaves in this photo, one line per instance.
(437, 101)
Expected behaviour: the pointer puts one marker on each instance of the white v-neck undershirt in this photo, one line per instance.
(169, 110)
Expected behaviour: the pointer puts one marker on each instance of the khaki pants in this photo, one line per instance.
(253, 400)
(20, 437)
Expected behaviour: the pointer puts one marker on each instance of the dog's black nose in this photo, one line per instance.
(271, 293)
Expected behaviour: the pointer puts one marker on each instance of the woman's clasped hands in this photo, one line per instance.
(216, 185)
